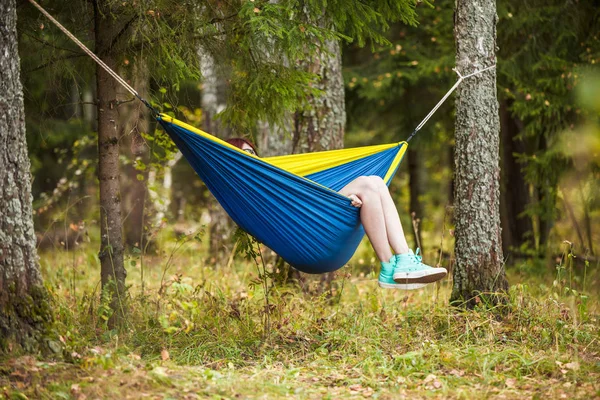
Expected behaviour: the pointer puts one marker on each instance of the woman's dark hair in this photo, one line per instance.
(239, 142)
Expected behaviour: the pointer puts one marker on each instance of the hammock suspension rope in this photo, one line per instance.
(95, 57)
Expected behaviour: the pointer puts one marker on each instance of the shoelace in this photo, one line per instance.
(416, 257)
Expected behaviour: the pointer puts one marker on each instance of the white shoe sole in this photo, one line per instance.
(402, 286)
(425, 276)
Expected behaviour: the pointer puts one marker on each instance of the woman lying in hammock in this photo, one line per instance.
(379, 217)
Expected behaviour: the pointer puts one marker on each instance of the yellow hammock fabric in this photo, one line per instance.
(310, 163)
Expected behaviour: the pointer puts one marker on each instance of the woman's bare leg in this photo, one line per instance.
(393, 225)
(371, 214)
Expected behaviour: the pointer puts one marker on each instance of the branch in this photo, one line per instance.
(216, 19)
(46, 43)
(122, 32)
(55, 60)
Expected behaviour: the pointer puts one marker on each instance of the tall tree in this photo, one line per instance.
(213, 101)
(24, 310)
(107, 26)
(321, 126)
(135, 122)
(517, 228)
(479, 268)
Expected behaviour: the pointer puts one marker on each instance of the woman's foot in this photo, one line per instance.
(386, 278)
(408, 269)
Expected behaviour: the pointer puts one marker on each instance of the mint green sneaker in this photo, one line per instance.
(410, 270)
(386, 277)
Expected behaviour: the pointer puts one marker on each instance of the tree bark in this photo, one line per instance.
(213, 102)
(517, 229)
(135, 122)
(24, 311)
(546, 191)
(479, 271)
(416, 173)
(322, 126)
(111, 245)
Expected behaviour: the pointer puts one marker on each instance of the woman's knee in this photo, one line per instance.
(362, 186)
(378, 183)
(369, 184)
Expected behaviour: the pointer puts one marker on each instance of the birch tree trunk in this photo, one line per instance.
(479, 268)
(111, 245)
(213, 102)
(24, 309)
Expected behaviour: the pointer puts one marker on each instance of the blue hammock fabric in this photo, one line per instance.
(303, 219)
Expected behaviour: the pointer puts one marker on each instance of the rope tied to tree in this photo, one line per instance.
(439, 104)
(90, 53)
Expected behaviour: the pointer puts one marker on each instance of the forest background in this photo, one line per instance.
(200, 315)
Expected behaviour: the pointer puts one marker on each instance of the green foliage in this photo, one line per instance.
(401, 82)
(544, 50)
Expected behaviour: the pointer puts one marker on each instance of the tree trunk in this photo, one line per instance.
(416, 173)
(479, 270)
(452, 184)
(135, 122)
(322, 127)
(546, 191)
(213, 101)
(160, 194)
(24, 310)
(517, 229)
(111, 245)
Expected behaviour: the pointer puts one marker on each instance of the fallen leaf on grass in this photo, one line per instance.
(164, 354)
(572, 365)
(431, 382)
(356, 388)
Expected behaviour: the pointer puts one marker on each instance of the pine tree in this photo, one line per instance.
(479, 269)
(107, 27)
(24, 309)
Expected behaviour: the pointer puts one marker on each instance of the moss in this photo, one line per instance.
(26, 322)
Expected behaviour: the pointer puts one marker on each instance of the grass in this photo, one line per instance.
(203, 335)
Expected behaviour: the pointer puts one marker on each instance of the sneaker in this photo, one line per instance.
(386, 278)
(408, 269)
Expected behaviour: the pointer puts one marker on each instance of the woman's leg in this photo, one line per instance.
(375, 214)
(393, 225)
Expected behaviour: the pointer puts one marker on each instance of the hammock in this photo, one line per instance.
(289, 203)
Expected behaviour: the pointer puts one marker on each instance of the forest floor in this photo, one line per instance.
(197, 331)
